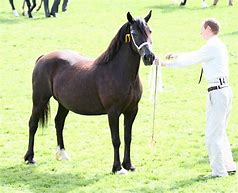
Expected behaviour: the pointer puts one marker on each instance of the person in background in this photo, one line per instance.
(55, 7)
(214, 59)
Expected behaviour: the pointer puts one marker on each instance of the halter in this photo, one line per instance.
(127, 39)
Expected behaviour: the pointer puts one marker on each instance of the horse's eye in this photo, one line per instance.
(134, 34)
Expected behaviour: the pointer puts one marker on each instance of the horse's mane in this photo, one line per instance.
(114, 46)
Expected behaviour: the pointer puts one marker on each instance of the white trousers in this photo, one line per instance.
(219, 104)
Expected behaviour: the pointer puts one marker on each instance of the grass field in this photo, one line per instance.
(177, 162)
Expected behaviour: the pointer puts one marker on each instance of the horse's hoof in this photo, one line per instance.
(129, 167)
(132, 168)
(121, 172)
(15, 13)
(61, 154)
(30, 162)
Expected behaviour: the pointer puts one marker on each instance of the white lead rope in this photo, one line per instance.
(156, 85)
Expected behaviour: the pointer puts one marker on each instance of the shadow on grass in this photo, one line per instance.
(190, 182)
(234, 33)
(174, 7)
(166, 8)
(235, 154)
(7, 19)
(26, 176)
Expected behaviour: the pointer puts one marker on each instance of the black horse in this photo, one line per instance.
(108, 85)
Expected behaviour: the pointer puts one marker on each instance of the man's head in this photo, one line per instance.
(210, 27)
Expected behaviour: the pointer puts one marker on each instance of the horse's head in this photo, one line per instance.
(140, 35)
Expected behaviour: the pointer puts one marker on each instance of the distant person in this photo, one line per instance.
(55, 7)
(214, 59)
(230, 2)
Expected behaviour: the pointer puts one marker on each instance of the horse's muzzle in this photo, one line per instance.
(148, 59)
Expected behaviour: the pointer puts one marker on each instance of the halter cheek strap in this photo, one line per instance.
(128, 38)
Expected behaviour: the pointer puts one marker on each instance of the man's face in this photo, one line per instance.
(206, 33)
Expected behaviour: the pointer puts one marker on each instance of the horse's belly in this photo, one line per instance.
(87, 111)
(85, 105)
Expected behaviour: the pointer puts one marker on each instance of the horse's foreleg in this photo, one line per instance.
(129, 118)
(113, 118)
(59, 125)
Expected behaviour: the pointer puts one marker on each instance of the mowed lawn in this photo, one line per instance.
(177, 162)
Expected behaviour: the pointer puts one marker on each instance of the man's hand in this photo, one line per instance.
(171, 56)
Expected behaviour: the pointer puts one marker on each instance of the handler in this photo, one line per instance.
(214, 58)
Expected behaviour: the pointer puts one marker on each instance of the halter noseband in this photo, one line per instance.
(140, 46)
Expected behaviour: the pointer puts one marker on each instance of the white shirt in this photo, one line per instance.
(213, 56)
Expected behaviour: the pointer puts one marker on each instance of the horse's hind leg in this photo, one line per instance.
(183, 3)
(129, 118)
(113, 118)
(28, 3)
(37, 112)
(59, 125)
(33, 5)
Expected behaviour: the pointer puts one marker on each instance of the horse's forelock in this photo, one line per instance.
(141, 24)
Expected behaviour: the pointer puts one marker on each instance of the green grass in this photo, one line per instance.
(177, 161)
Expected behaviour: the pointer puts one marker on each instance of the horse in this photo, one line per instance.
(204, 4)
(109, 85)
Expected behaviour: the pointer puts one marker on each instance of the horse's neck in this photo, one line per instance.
(128, 62)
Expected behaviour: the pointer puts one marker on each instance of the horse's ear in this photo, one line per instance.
(130, 18)
(147, 18)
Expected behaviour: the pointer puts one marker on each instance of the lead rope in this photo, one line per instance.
(157, 72)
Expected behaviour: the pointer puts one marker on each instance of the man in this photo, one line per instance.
(214, 58)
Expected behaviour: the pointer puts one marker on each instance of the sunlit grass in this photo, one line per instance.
(177, 161)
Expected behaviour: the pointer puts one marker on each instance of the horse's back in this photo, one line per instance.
(71, 79)
(70, 57)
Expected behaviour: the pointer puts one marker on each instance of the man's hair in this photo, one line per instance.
(213, 24)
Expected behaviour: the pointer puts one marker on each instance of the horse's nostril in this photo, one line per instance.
(145, 57)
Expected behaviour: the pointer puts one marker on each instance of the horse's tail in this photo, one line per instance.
(44, 115)
(46, 108)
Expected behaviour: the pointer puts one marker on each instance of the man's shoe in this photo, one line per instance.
(231, 172)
